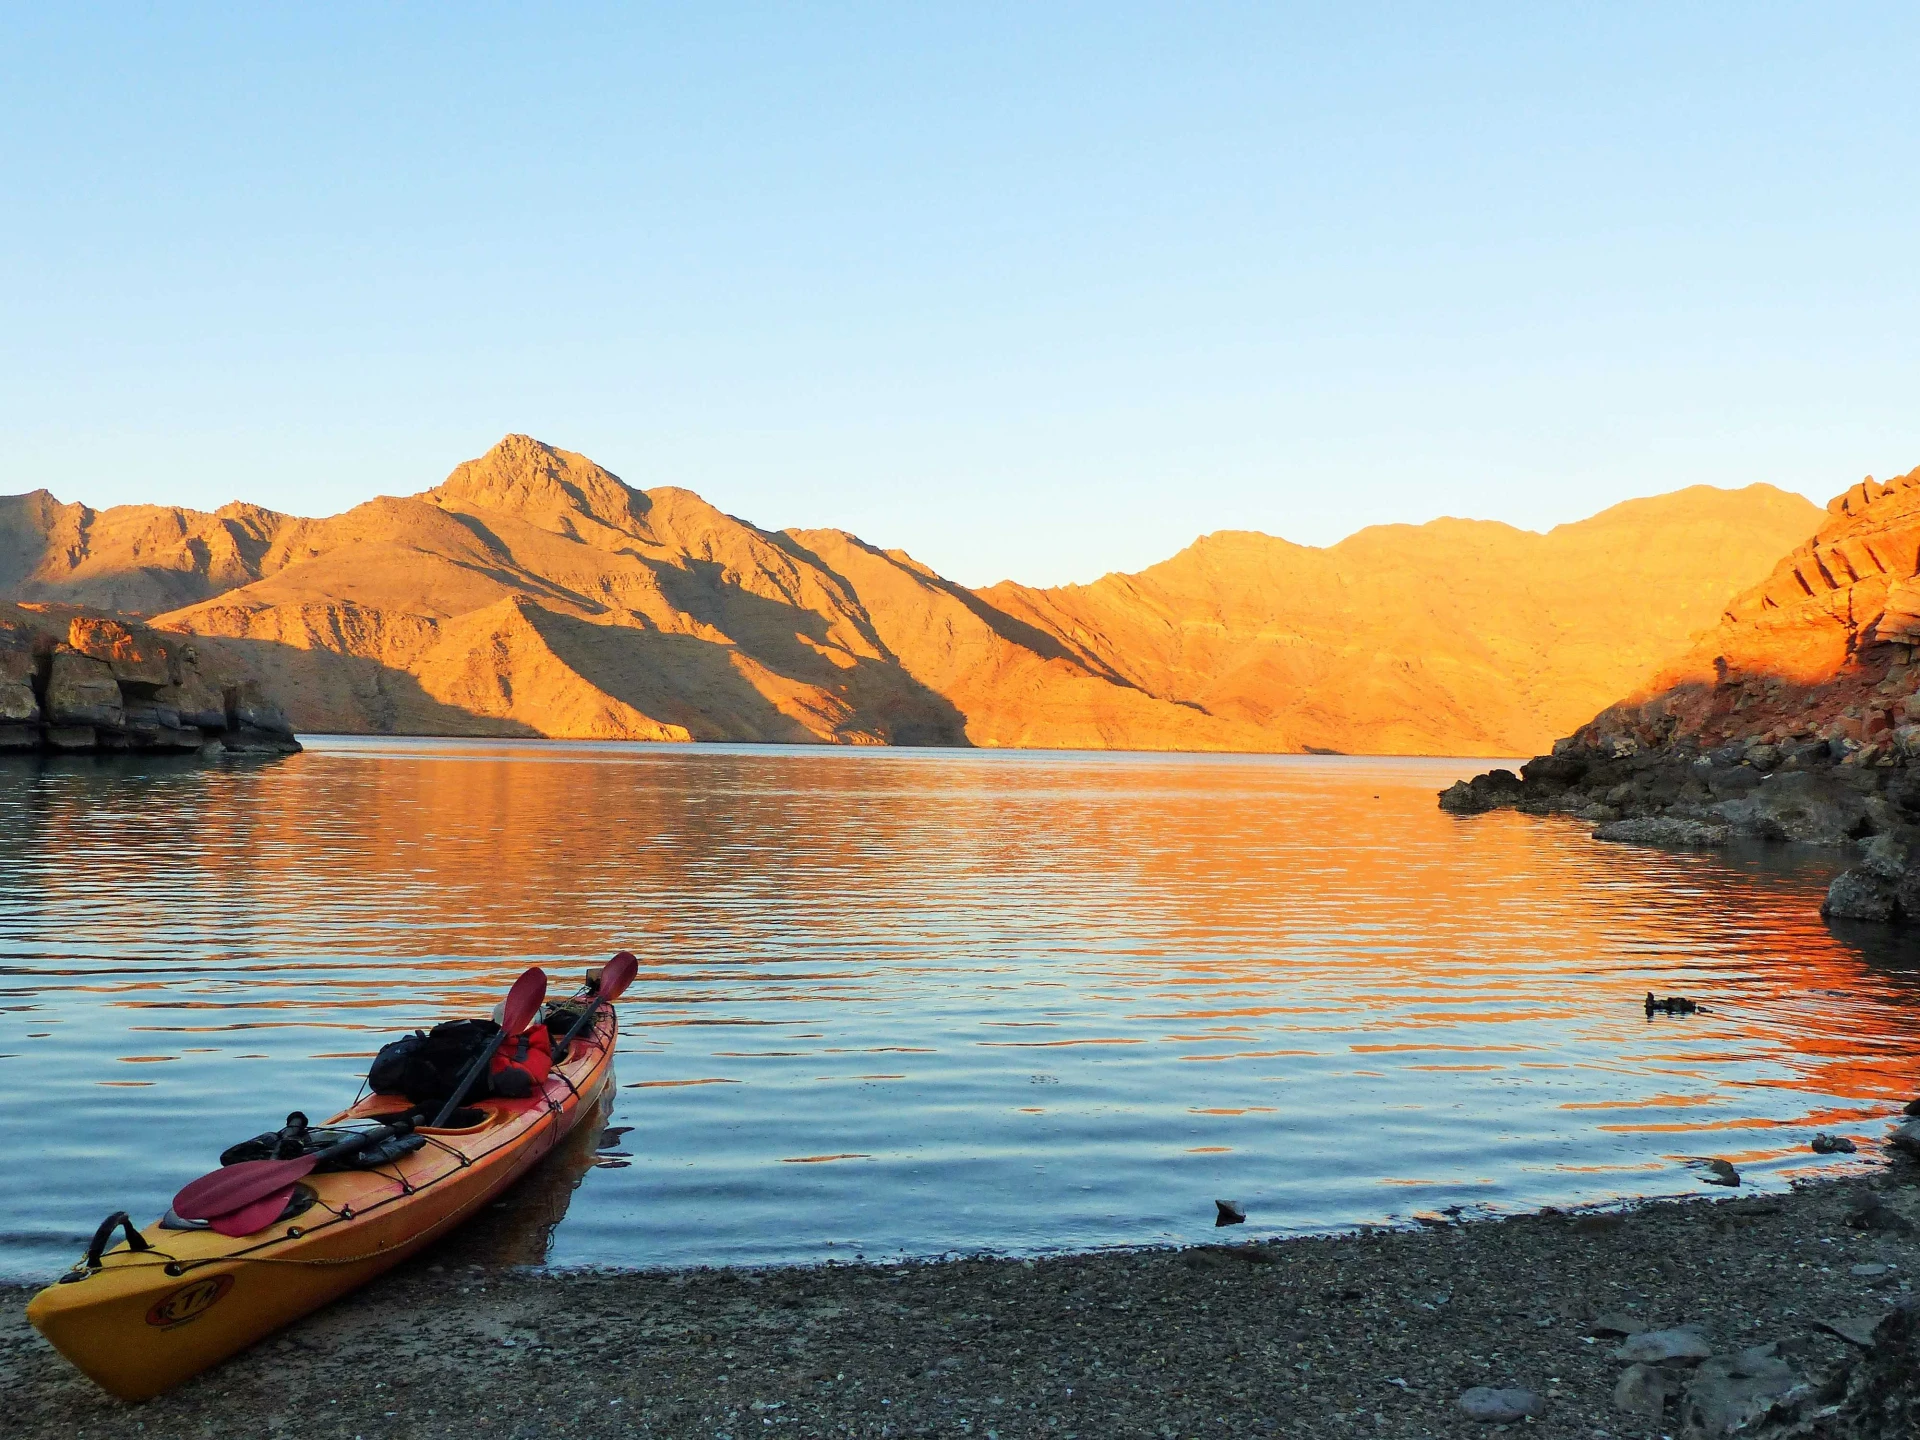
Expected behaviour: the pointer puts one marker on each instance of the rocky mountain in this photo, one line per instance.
(534, 593)
(1795, 718)
(1455, 637)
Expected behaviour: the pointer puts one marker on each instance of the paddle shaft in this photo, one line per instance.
(474, 1072)
(522, 1004)
(614, 977)
(579, 1026)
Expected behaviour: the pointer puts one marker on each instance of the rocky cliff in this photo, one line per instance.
(1794, 719)
(73, 681)
(534, 593)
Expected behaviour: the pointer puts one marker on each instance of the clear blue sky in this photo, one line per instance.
(1034, 291)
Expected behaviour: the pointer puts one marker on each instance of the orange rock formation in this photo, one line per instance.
(1824, 646)
(1455, 637)
(533, 593)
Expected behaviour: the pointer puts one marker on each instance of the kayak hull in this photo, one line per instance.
(146, 1320)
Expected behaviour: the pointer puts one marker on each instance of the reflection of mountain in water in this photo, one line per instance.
(517, 1229)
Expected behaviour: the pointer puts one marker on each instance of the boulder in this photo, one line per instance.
(1664, 830)
(1559, 769)
(195, 701)
(19, 667)
(81, 691)
(18, 705)
(1808, 806)
(248, 741)
(248, 708)
(1664, 1347)
(1859, 894)
(137, 658)
(149, 715)
(19, 737)
(1728, 1391)
(1906, 1140)
(1643, 1390)
(71, 737)
(1490, 791)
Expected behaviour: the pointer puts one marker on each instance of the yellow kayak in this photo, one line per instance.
(142, 1317)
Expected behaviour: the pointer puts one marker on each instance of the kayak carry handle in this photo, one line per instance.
(135, 1241)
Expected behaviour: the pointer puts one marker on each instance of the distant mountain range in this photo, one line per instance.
(534, 593)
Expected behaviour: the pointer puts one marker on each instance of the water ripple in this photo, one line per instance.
(1107, 989)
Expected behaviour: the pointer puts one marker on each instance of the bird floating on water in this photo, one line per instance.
(1672, 1005)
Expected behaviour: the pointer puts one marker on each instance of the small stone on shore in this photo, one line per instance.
(1499, 1407)
(1662, 1347)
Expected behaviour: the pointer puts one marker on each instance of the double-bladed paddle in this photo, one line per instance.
(615, 976)
(240, 1199)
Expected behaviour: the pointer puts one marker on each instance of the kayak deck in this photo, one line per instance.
(149, 1317)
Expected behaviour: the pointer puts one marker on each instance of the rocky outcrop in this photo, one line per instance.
(1795, 719)
(535, 593)
(81, 682)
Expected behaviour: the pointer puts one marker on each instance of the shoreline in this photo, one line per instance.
(1372, 1333)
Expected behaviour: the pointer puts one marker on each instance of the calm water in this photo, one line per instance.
(920, 1002)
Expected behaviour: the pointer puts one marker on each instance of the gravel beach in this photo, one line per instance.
(1377, 1334)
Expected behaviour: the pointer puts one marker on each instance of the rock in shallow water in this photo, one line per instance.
(1497, 1407)
(1664, 830)
(1859, 895)
(1907, 1139)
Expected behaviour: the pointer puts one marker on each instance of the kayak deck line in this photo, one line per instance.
(140, 1318)
(175, 1266)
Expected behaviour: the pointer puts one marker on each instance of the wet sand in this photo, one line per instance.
(1374, 1335)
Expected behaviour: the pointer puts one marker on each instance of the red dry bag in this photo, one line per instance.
(521, 1064)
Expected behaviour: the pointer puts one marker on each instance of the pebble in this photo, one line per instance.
(1497, 1407)
(1869, 1270)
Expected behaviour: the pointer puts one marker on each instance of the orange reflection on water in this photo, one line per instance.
(1278, 919)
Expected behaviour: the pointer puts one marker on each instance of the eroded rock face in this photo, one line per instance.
(79, 682)
(137, 658)
(1795, 720)
(82, 691)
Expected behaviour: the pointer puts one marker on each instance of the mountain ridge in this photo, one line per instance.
(533, 592)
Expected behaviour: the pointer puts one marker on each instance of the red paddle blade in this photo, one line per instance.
(232, 1187)
(616, 976)
(523, 1001)
(249, 1219)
